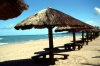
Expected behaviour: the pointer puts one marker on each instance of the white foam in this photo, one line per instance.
(30, 40)
(65, 36)
(68, 36)
(1, 38)
(3, 43)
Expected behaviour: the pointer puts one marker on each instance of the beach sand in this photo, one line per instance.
(20, 54)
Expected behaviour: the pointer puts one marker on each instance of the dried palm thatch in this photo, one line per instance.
(88, 28)
(49, 17)
(93, 29)
(11, 8)
(98, 29)
(70, 29)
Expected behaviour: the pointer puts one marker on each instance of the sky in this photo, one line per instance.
(87, 11)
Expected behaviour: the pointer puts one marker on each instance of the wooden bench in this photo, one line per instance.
(70, 46)
(46, 49)
(86, 41)
(42, 58)
(43, 55)
(65, 55)
(79, 41)
(80, 45)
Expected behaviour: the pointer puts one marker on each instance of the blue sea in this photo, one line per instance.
(24, 38)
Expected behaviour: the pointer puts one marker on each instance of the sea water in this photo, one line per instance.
(24, 38)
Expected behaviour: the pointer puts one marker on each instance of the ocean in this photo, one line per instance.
(24, 38)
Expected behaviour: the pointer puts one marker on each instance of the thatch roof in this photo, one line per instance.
(93, 29)
(70, 29)
(49, 17)
(89, 28)
(11, 8)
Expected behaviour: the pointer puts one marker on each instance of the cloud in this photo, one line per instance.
(90, 22)
(8, 27)
(97, 11)
(93, 23)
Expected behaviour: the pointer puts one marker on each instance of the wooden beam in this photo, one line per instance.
(83, 36)
(87, 36)
(50, 35)
(91, 36)
(74, 40)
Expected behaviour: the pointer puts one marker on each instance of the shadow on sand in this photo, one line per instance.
(98, 50)
(96, 57)
(28, 62)
(87, 64)
(31, 62)
(22, 62)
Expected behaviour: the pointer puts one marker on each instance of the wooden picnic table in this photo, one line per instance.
(42, 57)
(69, 46)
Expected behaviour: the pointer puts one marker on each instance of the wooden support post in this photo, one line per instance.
(74, 40)
(91, 36)
(50, 35)
(87, 36)
(83, 37)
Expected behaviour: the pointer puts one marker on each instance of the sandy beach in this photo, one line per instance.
(21, 53)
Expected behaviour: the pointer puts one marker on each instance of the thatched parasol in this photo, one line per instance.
(88, 28)
(91, 32)
(11, 8)
(70, 29)
(49, 18)
(73, 30)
